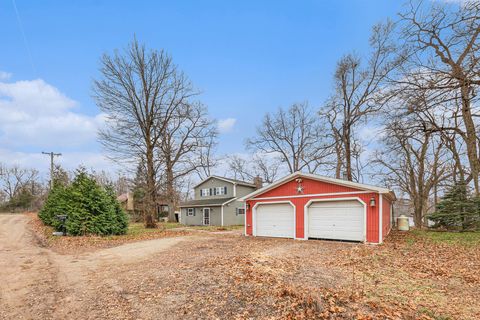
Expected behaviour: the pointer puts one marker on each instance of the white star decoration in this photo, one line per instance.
(300, 189)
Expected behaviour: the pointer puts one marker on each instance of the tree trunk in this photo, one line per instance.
(149, 213)
(348, 155)
(418, 212)
(471, 138)
(170, 194)
(338, 167)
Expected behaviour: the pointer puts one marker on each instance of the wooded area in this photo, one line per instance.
(405, 115)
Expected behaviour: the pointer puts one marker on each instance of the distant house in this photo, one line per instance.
(127, 202)
(216, 202)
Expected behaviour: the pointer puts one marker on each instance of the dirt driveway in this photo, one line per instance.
(228, 276)
(37, 283)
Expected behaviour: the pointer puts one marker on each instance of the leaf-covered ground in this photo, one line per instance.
(208, 275)
(66, 245)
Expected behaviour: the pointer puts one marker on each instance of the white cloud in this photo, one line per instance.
(371, 133)
(226, 125)
(35, 113)
(35, 117)
(4, 75)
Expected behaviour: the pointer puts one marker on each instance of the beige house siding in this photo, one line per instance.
(244, 190)
(197, 219)
(212, 183)
(230, 216)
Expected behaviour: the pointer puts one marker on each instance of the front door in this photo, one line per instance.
(206, 216)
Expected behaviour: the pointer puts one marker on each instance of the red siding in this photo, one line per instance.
(310, 187)
(386, 217)
(317, 187)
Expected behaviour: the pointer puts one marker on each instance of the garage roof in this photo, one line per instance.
(341, 182)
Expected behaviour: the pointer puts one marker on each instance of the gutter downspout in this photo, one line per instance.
(221, 215)
(245, 208)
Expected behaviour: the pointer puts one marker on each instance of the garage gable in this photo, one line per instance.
(310, 186)
(303, 184)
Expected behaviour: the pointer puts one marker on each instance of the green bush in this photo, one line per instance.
(90, 208)
(458, 210)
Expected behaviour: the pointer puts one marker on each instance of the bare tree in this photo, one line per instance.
(248, 168)
(414, 160)
(360, 93)
(140, 92)
(296, 136)
(184, 142)
(13, 179)
(206, 159)
(331, 115)
(238, 168)
(444, 43)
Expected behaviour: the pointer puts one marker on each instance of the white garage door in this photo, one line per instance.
(339, 220)
(274, 220)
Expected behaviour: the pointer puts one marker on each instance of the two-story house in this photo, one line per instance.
(216, 202)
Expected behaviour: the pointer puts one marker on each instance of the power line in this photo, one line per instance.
(25, 42)
(52, 155)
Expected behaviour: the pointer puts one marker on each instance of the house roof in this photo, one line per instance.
(351, 184)
(205, 202)
(122, 198)
(234, 181)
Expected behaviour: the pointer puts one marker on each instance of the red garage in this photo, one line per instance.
(306, 206)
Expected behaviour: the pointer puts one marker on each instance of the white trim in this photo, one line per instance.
(380, 220)
(305, 214)
(245, 222)
(221, 215)
(205, 194)
(254, 215)
(314, 195)
(209, 217)
(219, 191)
(294, 175)
(234, 189)
(391, 217)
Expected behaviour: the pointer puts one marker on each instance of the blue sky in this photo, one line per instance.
(247, 57)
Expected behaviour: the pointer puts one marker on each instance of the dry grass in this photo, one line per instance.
(416, 275)
(78, 244)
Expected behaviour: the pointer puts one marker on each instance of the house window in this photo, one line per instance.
(221, 191)
(190, 211)
(240, 211)
(204, 192)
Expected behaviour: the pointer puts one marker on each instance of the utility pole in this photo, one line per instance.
(52, 155)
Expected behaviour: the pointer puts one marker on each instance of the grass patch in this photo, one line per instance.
(463, 238)
(69, 244)
(433, 315)
(216, 228)
(138, 228)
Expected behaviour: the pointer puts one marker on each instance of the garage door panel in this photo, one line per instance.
(275, 220)
(338, 220)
